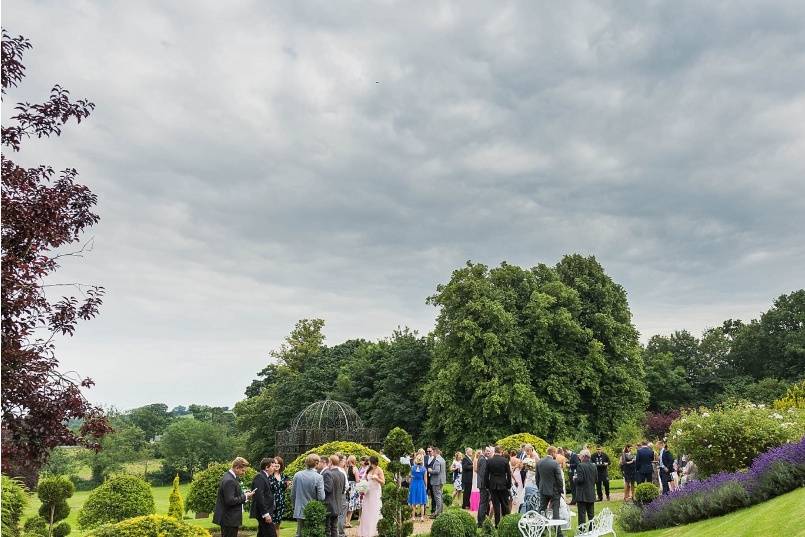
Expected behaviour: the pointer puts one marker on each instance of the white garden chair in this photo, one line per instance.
(532, 524)
(601, 524)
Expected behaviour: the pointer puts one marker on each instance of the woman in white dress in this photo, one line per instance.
(517, 484)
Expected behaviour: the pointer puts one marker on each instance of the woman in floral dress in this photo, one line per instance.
(278, 483)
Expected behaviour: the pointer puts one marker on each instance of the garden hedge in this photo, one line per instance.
(204, 487)
(347, 448)
(14, 500)
(454, 523)
(507, 527)
(150, 526)
(118, 498)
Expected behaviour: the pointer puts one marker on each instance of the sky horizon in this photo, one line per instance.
(258, 163)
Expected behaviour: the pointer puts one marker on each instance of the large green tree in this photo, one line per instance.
(550, 350)
(190, 445)
(152, 419)
(126, 444)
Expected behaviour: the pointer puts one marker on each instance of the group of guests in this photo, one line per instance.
(338, 480)
(648, 466)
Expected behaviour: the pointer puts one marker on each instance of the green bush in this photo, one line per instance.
(175, 502)
(512, 442)
(118, 498)
(396, 521)
(35, 525)
(53, 492)
(646, 493)
(507, 527)
(729, 437)
(447, 499)
(630, 517)
(347, 448)
(453, 523)
(315, 514)
(779, 479)
(398, 443)
(14, 500)
(150, 526)
(204, 487)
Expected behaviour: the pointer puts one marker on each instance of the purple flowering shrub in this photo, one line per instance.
(775, 472)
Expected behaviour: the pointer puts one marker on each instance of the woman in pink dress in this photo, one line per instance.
(370, 508)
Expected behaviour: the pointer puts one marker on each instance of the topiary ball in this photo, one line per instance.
(507, 527)
(118, 498)
(513, 442)
(646, 493)
(315, 514)
(454, 523)
(61, 529)
(58, 510)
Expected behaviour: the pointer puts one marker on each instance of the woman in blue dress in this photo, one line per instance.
(416, 493)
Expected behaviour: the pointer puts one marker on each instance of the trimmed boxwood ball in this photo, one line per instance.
(454, 523)
(507, 527)
(204, 487)
(513, 441)
(36, 525)
(62, 529)
(646, 493)
(315, 514)
(118, 498)
(150, 526)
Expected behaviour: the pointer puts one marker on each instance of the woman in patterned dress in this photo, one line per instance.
(353, 495)
(278, 483)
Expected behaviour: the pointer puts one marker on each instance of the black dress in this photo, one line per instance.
(628, 467)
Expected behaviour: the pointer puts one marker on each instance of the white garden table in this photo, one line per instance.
(554, 524)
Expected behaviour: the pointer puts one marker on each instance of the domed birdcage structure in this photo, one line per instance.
(322, 422)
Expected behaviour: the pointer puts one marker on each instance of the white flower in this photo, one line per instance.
(705, 414)
(709, 446)
(777, 416)
(699, 425)
(761, 405)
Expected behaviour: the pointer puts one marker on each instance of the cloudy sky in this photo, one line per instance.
(261, 162)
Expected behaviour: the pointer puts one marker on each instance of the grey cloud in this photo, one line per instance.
(252, 171)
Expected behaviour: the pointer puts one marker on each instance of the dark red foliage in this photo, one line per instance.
(41, 212)
(657, 424)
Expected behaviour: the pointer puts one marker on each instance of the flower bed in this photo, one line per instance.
(775, 472)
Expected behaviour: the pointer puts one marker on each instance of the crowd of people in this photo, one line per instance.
(489, 481)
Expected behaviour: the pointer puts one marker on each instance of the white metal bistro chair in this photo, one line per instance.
(532, 524)
(602, 524)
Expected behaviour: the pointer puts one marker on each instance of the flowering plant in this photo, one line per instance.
(362, 487)
(529, 464)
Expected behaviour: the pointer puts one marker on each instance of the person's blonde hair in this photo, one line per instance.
(551, 450)
(240, 462)
(419, 459)
(585, 453)
(458, 456)
(312, 460)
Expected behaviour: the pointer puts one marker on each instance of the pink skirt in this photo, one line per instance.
(475, 500)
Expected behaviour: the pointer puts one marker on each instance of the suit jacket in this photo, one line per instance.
(498, 474)
(643, 460)
(482, 462)
(584, 481)
(437, 475)
(573, 461)
(263, 499)
(334, 484)
(229, 503)
(549, 477)
(667, 460)
(307, 485)
(466, 471)
(601, 463)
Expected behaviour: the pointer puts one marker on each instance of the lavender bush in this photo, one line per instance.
(777, 471)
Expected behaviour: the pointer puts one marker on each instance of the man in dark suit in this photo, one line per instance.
(549, 481)
(429, 459)
(601, 462)
(483, 492)
(263, 501)
(666, 467)
(334, 484)
(498, 481)
(643, 462)
(466, 478)
(585, 480)
(229, 504)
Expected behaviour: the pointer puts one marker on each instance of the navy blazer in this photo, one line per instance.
(643, 460)
(667, 460)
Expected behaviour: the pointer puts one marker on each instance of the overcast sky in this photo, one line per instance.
(261, 162)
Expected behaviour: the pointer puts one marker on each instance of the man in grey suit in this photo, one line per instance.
(549, 480)
(308, 485)
(483, 505)
(229, 504)
(334, 484)
(437, 475)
